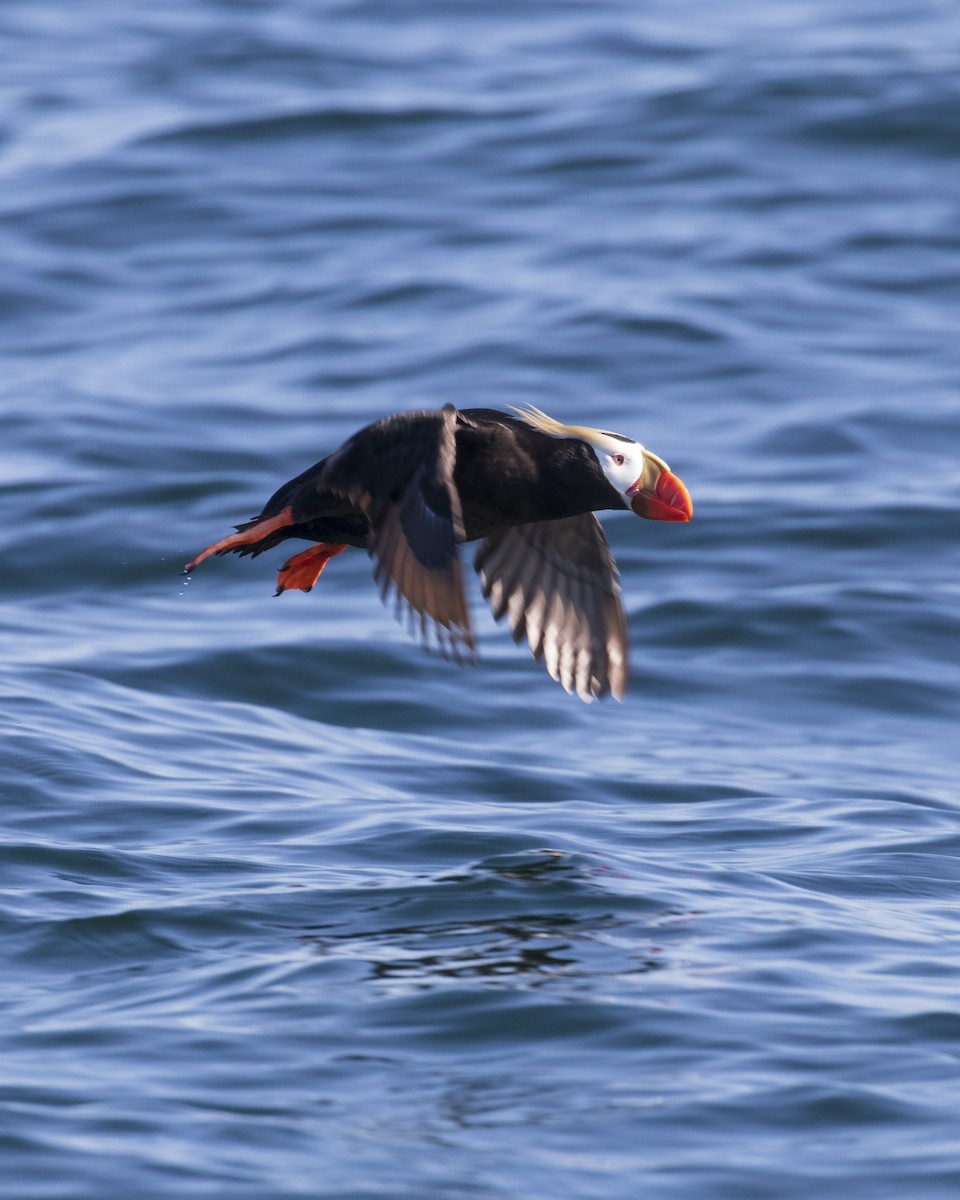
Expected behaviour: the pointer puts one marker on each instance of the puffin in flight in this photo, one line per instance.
(410, 488)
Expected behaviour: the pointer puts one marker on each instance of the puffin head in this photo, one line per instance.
(643, 481)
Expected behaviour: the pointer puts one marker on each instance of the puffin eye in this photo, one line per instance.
(619, 460)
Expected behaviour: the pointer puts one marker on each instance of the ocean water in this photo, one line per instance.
(291, 909)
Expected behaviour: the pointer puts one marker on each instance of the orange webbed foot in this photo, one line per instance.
(303, 570)
(254, 532)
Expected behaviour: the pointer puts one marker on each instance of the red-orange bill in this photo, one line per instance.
(669, 500)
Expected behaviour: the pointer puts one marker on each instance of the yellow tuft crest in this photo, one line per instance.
(611, 442)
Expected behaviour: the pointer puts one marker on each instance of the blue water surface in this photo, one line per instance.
(291, 909)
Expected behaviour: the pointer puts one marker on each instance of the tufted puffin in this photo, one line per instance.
(411, 487)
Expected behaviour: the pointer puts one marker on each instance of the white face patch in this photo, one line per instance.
(623, 465)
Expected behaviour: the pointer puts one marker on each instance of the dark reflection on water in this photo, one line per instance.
(287, 904)
(536, 946)
(463, 951)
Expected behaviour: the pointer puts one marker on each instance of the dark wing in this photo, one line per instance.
(399, 472)
(557, 583)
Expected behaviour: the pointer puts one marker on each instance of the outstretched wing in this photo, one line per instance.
(399, 472)
(556, 581)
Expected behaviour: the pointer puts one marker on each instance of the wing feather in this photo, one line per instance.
(557, 584)
(399, 472)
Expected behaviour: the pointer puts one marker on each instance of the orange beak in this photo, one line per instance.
(668, 501)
